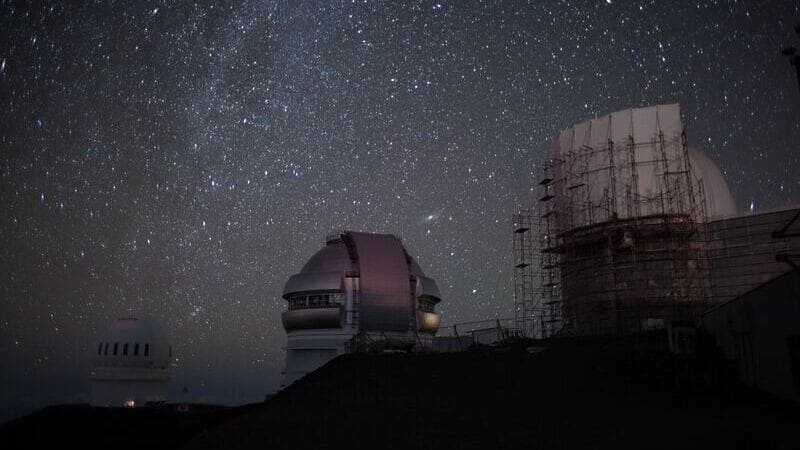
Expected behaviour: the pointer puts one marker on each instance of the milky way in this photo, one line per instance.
(182, 160)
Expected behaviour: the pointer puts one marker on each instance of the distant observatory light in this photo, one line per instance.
(752, 206)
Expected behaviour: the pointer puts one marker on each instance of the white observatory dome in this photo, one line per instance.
(718, 197)
(131, 364)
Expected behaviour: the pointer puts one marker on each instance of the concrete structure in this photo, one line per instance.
(360, 288)
(761, 331)
(131, 364)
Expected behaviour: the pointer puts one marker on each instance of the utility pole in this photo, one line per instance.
(792, 54)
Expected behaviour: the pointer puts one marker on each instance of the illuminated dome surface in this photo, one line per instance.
(358, 283)
(718, 197)
(325, 268)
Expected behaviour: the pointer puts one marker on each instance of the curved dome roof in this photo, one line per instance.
(133, 342)
(334, 258)
(718, 197)
(331, 258)
(323, 272)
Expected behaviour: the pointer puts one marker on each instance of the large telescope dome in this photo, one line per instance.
(357, 283)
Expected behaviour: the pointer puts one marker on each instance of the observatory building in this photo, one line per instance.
(359, 287)
(623, 202)
(633, 229)
(131, 364)
(621, 213)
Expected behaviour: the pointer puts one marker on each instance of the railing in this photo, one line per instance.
(486, 331)
(379, 341)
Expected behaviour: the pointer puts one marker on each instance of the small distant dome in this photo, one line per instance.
(136, 340)
(131, 364)
(718, 197)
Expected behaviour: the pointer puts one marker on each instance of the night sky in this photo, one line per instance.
(182, 160)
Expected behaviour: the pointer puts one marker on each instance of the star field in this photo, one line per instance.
(183, 159)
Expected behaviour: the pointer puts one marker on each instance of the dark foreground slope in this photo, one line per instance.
(84, 427)
(559, 395)
(620, 394)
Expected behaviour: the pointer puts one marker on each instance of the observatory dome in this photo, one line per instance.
(626, 198)
(357, 283)
(131, 342)
(324, 270)
(718, 198)
(131, 363)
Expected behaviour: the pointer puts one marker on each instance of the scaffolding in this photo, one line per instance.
(620, 222)
(549, 268)
(525, 297)
(536, 268)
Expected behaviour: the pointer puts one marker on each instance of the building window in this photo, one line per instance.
(298, 303)
(105, 350)
(329, 300)
(125, 349)
(116, 344)
(146, 349)
(426, 305)
(136, 349)
(99, 349)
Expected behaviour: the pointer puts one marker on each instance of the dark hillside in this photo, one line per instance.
(84, 427)
(568, 394)
(621, 394)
